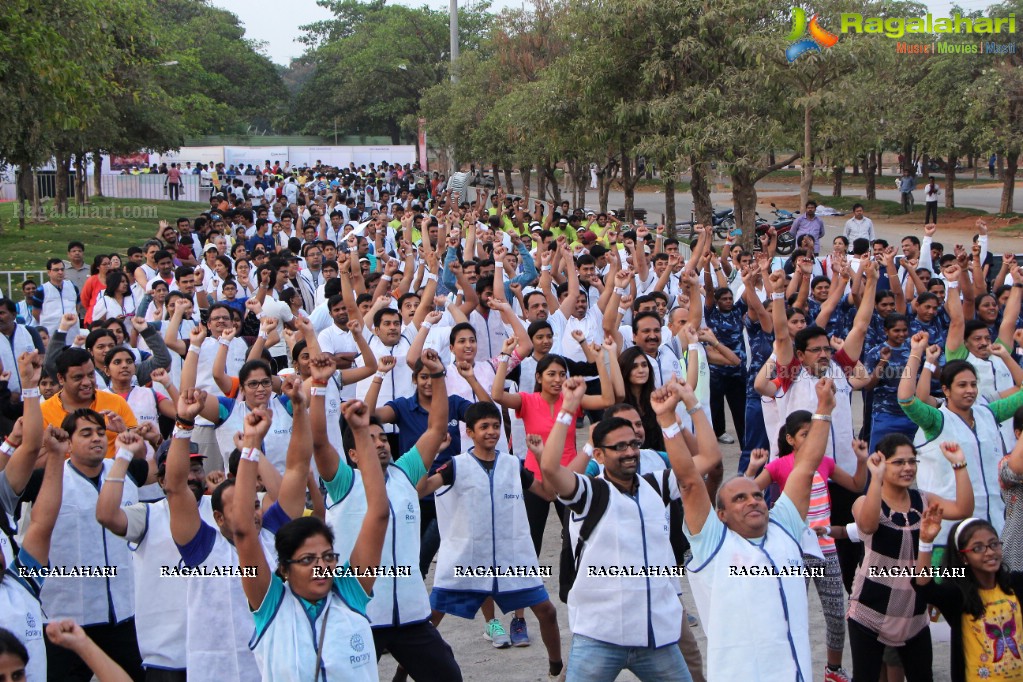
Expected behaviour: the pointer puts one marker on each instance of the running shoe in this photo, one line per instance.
(691, 619)
(726, 438)
(519, 634)
(839, 675)
(496, 634)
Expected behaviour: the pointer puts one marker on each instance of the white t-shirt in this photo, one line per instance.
(282, 311)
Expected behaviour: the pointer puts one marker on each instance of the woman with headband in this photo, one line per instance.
(978, 596)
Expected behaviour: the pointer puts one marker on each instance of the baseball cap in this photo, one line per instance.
(161, 452)
(588, 236)
(210, 247)
(535, 225)
(563, 221)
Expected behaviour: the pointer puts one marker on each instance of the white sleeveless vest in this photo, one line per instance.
(287, 649)
(802, 395)
(482, 523)
(79, 540)
(22, 614)
(161, 603)
(55, 304)
(993, 375)
(625, 610)
(983, 449)
(219, 623)
(779, 647)
(142, 402)
(12, 347)
(396, 601)
(236, 354)
(275, 445)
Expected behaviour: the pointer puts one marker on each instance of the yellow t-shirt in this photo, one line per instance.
(54, 413)
(992, 645)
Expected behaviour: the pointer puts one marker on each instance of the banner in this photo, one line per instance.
(257, 156)
(119, 162)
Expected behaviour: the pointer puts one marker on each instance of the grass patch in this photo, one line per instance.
(883, 207)
(964, 178)
(103, 225)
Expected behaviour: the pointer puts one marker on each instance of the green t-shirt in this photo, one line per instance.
(339, 486)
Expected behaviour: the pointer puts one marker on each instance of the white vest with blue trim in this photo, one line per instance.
(22, 614)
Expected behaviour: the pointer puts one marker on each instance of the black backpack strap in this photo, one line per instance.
(663, 487)
(600, 499)
(679, 542)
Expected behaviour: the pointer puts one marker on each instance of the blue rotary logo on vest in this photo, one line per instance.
(357, 643)
(30, 621)
(411, 508)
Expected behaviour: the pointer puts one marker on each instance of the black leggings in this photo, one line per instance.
(867, 655)
(931, 214)
(537, 510)
(420, 650)
(117, 641)
(732, 389)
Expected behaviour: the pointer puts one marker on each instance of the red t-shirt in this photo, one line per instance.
(538, 417)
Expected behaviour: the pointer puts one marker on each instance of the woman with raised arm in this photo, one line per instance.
(883, 611)
(310, 613)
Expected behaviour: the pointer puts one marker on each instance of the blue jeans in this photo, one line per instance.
(884, 423)
(593, 661)
(756, 435)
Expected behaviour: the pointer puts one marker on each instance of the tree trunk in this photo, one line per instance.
(871, 172)
(856, 168)
(527, 172)
(806, 173)
(80, 180)
(97, 172)
(24, 174)
(836, 187)
(60, 188)
(37, 210)
(925, 165)
(907, 156)
(975, 166)
(950, 185)
(1000, 167)
(548, 171)
(699, 187)
(744, 198)
(669, 201)
(541, 182)
(1009, 181)
(509, 185)
(629, 181)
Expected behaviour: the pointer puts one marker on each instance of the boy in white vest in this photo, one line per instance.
(20, 339)
(399, 611)
(619, 621)
(485, 549)
(161, 602)
(747, 560)
(55, 297)
(103, 601)
(20, 581)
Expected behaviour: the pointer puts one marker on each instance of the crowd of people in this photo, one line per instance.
(238, 450)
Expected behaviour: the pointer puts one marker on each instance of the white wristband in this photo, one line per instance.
(777, 296)
(192, 348)
(386, 278)
(29, 393)
(380, 375)
(930, 367)
(124, 455)
(925, 547)
(623, 311)
(430, 277)
(588, 450)
(317, 391)
(694, 346)
(224, 342)
(545, 268)
(672, 431)
(566, 418)
(251, 454)
(695, 408)
(181, 433)
(427, 324)
(621, 291)
(6, 448)
(952, 285)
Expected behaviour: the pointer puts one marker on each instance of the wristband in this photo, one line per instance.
(773, 358)
(695, 408)
(694, 346)
(672, 431)
(7, 448)
(183, 423)
(113, 480)
(315, 391)
(821, 417)
(30, 392)
(380, 375)
(621, 291)
(952, 285)
(263, 335)
(318, 383)
(503, 357)
(623, 311)
(926, 547)
(224, 342)
(852, 531)
(181, 432)
(427, 324)
(777, 296)
(429, 277)
(439, 375)
(545, 268)
(192, 348)
(588, 450)
(124, 455)
(911, 355)
(960, 465)
(386, 278)
(251, 454)
(566, 418)
(930, 367)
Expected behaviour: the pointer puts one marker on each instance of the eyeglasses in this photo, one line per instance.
(820, 349)
(311, 559)
(904, 462)
(623, 446)
(259, 383)
(994, 546)
(221, 318)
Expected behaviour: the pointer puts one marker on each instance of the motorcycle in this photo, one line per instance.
(783, 229)
(723, 224)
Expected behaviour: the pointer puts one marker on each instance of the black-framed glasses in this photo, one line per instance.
(624, 446)
(259, 383)
(978, 548)
(820, 349)
(327, 558)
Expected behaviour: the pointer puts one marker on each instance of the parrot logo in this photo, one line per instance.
(820, 38)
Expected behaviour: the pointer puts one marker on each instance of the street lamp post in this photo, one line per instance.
(453, 26)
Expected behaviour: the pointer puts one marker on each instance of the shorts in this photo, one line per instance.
(465, 604)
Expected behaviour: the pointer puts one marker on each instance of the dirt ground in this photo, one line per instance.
(481, 662)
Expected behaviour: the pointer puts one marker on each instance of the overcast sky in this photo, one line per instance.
(277, 22)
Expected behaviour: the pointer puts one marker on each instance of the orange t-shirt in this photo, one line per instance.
(54, 413)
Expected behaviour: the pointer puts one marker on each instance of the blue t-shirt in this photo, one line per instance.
(414, 419)
(727, 327)
(339, 486)
(886, 398)
(761, 345)
(936, 331)
(196, 550)
(706, 542)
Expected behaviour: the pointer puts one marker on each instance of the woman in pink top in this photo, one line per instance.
(791, 437)
(538, 411)
(95, 285)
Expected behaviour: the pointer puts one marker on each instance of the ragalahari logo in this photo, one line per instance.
(820, 39)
